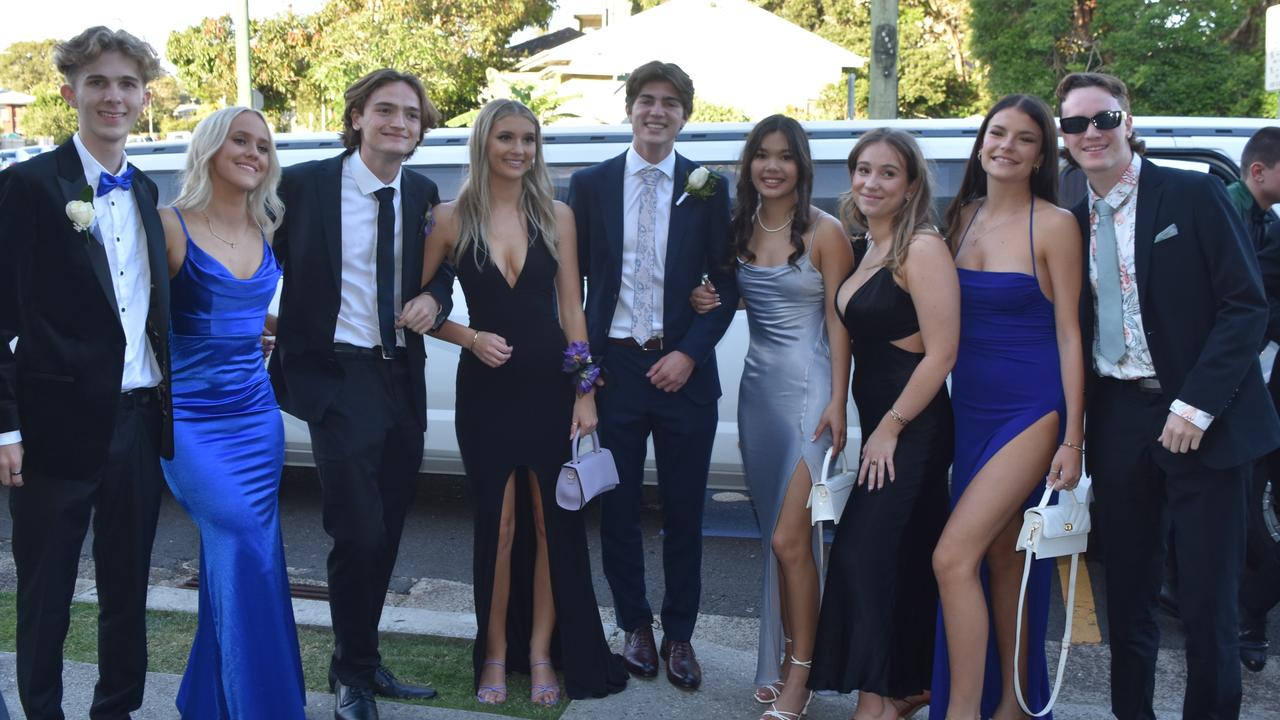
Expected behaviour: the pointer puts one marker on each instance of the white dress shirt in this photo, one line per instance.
(358, 313)
(117, 224)
(632, 187)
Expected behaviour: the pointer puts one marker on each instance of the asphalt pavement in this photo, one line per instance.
(432, 593)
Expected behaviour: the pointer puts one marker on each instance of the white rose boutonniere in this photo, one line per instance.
(81, 215)
(80, 212)
(700, 184)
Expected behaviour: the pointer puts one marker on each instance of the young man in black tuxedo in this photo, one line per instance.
(349, 356)
(84, 402)
(1176, 412)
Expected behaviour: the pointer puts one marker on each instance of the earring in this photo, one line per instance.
(1035, 168)
(907, 199)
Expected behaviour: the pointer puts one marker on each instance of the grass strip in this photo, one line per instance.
(445, 662)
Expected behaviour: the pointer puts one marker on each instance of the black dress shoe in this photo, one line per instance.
(683, 669)
(640, 653)
(353, 703)
(1253, 642)
(388, 685)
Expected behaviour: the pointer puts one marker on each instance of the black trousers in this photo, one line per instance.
(1144, 492)
(368, 447)
(631, 409)
(50, 518)
(1260, 587)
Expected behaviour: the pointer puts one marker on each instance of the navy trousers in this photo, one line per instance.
(631, 409)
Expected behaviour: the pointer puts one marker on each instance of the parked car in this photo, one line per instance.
(1205, 144)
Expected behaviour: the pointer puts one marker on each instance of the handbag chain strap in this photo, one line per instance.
(1066, 631)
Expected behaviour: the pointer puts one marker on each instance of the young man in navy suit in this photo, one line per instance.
(84, 399)
(349, 356)
(1176, 411)
(644, 245)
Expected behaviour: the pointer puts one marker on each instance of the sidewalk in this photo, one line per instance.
(725, 648)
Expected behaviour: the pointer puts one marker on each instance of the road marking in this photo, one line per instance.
(1084, 620)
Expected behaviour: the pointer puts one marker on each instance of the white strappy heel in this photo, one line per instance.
(773, 713)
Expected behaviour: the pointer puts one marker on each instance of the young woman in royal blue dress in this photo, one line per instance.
(1017, 391)
(228, 435)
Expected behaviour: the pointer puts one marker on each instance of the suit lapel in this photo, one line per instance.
(156, 256)
(611, 199)
(1144, 232)
(680, 217)
(413, 204)
(329, 201)
(72, 184)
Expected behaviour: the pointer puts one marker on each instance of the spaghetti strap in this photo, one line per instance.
(1031, 232)
(182, 222)
(968, 225)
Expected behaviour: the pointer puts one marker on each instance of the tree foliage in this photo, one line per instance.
(305, 62)
(49, 116)
(27, 66)
(1178, 57)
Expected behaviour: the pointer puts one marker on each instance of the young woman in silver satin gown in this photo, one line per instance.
(791, 258)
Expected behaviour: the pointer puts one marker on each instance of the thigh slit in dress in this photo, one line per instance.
(1007, 377)
(515, 418)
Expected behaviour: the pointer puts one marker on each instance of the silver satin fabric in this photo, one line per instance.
(786, 384)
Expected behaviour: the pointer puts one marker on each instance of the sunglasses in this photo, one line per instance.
(1105, 120)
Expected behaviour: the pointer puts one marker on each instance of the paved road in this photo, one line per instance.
(434, 571)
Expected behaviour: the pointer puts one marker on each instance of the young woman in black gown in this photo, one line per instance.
(901, 307)
(515, 252)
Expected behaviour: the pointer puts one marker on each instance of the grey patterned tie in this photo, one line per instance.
(1110, 300)
(646, 257)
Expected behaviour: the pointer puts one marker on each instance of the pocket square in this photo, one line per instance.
(1167, 233)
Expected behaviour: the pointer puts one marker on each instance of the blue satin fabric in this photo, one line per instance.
(229, 451)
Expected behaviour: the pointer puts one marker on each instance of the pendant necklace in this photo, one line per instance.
(213, 232)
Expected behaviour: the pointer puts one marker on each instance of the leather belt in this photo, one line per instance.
(348, 350)
(650, 345)
(1146, 385)
(138, 397)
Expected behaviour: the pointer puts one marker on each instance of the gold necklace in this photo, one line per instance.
(213, 232)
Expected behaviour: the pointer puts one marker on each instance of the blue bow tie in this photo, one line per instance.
(108, 182)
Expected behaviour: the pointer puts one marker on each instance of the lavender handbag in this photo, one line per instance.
(585, 476)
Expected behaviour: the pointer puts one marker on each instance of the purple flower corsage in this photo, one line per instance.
(578, 361)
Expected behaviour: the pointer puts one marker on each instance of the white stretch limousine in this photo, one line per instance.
(1205, 144)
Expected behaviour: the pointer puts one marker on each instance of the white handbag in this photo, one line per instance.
(829, 494)
(1050, 531)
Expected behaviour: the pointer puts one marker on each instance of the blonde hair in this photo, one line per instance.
(916, 214)
(537, 198)
(263, 202)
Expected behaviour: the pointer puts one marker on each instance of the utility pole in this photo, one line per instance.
(883, 83)
(244, 95)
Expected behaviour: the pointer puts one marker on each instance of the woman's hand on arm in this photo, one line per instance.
(1063, 254)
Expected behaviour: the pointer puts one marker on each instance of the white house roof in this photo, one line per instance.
(737, 54)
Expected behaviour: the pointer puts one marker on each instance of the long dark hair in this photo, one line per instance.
(1044, 179)
(742, 223)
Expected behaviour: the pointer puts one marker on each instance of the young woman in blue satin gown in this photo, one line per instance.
(1018, 396)
(790, 258)
(228, 436)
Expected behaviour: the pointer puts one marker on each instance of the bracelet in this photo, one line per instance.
(472, 346)
(1073, 446)
(898, 417)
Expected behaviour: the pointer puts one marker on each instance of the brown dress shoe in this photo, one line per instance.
(640, 653)
(683, 669)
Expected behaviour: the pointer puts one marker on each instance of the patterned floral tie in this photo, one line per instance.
(1110, 297)
(646, 257)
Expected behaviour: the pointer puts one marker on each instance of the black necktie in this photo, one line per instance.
(386, 268)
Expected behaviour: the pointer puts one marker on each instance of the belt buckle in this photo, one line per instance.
(387, 355)
(657, 339)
